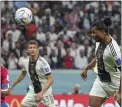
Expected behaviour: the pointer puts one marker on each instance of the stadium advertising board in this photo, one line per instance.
(61, 101)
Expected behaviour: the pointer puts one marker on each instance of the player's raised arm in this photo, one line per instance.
(91, 64)
(88, 67)
(20, 78)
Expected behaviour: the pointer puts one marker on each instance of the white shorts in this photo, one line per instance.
(30, 101)
(104, 89)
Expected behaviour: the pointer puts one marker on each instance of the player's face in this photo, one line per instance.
(97, 34)
(33, 50)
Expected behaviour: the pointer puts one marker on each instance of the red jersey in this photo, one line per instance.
(68, 62)
(4, 81)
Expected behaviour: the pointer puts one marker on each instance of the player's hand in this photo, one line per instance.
(117, 97)
(84, 74)
(39, 96)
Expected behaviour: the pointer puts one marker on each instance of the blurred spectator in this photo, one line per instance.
(34, 7)
(4, 57)
(66, 33)
(80, 61)
(30, 29)
(52, 35)
(17, 51)
(48, 18)
(40, 35)
(73, 50)
(68, 60)
(19, 4)
(57, 27)
(24, 56)
(65, 20)
(8, 43)
(54, 60)
(76, 89)
(15, 33)
(4, 25)
(22, 42)
(61, 53)
(87, 49)
(45, 52)
(74, 19)
(12, 62)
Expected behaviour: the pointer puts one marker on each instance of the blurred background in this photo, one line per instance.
(62, 29)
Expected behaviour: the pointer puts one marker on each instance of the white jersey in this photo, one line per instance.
(42, 68)
(108, 61)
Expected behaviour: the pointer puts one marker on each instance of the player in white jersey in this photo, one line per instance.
(41, 79)
(108, 61)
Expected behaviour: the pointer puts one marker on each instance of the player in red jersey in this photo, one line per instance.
(4, 86)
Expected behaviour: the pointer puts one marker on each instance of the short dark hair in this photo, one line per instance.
(103, 24)
(33, 42)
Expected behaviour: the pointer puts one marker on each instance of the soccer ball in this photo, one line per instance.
(23, 16)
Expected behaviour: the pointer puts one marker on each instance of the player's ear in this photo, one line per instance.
(103, 32)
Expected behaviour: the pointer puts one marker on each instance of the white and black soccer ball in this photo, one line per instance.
(23, 16)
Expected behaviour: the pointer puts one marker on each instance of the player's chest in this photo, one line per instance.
(36, 67)
(103, 53)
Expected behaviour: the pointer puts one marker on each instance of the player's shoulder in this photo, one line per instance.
(25, 59)
(114, 47)
(43, 61)
(114, 44)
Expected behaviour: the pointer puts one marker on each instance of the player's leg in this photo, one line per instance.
(95, 101)
(97, 94)
(111, 88)
(29, 100)
(48, 100)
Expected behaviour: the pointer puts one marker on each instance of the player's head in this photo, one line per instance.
(100, 29)
(33, 48)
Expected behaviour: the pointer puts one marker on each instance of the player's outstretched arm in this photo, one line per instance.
(20, 78)
(91, 64)
(5, 92)
(88, 67)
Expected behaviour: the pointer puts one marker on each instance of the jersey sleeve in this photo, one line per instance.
(118, 60)
(116, 54)
(4, 78)
(46, 67)
(23, 66)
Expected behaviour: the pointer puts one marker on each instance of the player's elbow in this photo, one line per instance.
(8, 92)
(5, 92)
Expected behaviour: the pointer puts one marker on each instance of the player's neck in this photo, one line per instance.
(107, 39)
(34, 58)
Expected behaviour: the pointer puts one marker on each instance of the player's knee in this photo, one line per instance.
(93, 103)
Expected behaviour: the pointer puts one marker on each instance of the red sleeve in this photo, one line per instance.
(4, 78)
